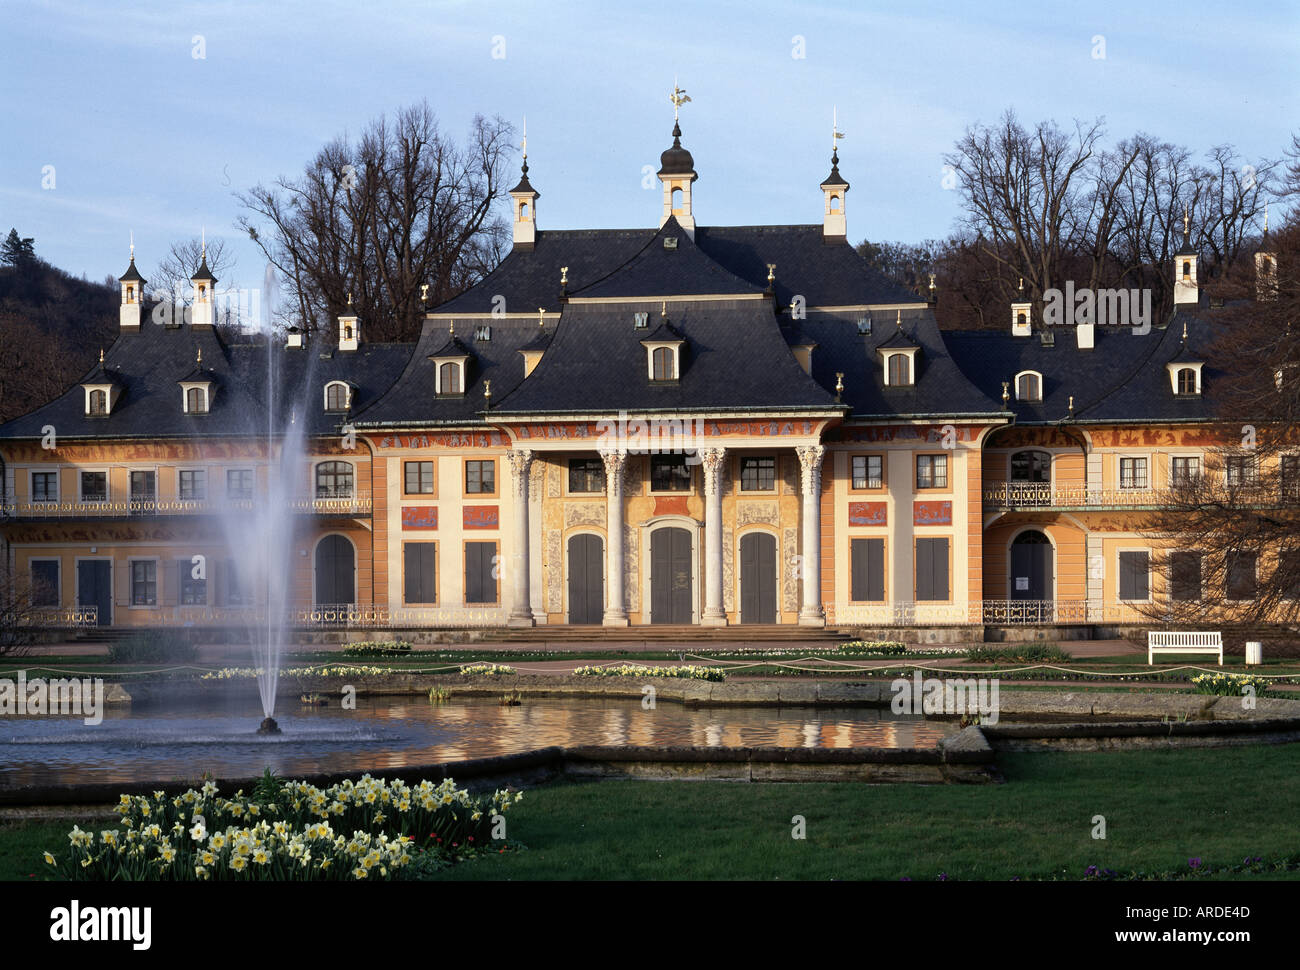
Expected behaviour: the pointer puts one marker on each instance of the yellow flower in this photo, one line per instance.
(238, 863)
(49, 859)
(260, 857)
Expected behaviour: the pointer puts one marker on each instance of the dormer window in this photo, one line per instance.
(1185, 378)
(1029, 386)
(664, 353)
(900, 369)
(100, 398)
(196, 400)
(483, 333)
(663, 364)
(338, 396)
(641, 321)
(450, 378)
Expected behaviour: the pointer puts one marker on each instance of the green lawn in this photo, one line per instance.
(1161, 809)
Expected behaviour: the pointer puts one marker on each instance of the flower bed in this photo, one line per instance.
(686, 672)
(378, 648)
(324, 670)
(285, 831)
(486, 670)
(874, 648)
(1230, 685)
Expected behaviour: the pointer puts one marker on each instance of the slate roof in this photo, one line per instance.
(149, 365)
(940, 388)
(1122, 379)
(411, 401)
(825, 274)
(132, 275)
(596, 363)
(684, 270)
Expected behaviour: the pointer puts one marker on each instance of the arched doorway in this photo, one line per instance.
(757, 578)
(336, 567)
(586, 578)
(670, 576)
(1031, 567)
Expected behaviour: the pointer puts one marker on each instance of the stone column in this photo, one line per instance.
(810, 461)
(615, 601)
(714, 614)
(521, 607)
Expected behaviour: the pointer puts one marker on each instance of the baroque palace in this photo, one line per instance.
(682, 424)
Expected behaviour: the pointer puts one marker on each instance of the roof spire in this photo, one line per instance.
(101, 355)
(1187, 231)
(663, 310)
(204, 237)
(199, 359)
(524, 143)
(1184, 331)
(133, 234)
(899, 321)
(679, 97)
(451, 328)
(836, 134)
(541, 316)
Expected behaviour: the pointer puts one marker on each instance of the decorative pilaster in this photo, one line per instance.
(521, 607)
(810, 462)
(714, 613)
(615, 608)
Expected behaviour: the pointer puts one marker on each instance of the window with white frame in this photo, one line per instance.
(1133, 473)
(45, 486)
(192, 484)
(1029, 386)
(334, 479)
(94, 486)
(338, 396)
(1184, 469)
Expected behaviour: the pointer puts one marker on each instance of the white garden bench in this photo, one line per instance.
(1183, 641)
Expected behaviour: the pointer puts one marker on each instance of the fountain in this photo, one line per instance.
(260, 534)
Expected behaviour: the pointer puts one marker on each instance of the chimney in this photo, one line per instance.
(349, 329)
(1021, 314)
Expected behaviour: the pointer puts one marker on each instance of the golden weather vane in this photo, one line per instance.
(679, 97)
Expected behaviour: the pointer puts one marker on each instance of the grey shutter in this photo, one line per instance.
(924, 570)
(421, 582)
(932, 569)
(1134, 575)
(868, 570)
(480, 587)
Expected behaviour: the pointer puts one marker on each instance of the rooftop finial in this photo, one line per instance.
(679, 97)
(836, 134)
(1021, 287)
(564, 276)
(1006, 391)
(199, 358)
(899, 321)
(1187, 218)
(541, 316)
(771, 272)
(663, 310)
(204, 231)
(1266, 218)
(1184, 331)
(101, 355)
(839, 385)
(524, 144)
(133, 235)
(487, 394)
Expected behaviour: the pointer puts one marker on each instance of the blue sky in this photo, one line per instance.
(144, 136)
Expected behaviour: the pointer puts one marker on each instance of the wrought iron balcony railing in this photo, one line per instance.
(982, 613)
(1041, 495)
(323, 503)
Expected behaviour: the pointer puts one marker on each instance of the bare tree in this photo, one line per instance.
(1231, 536)
(177, 268)
(377, 221)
